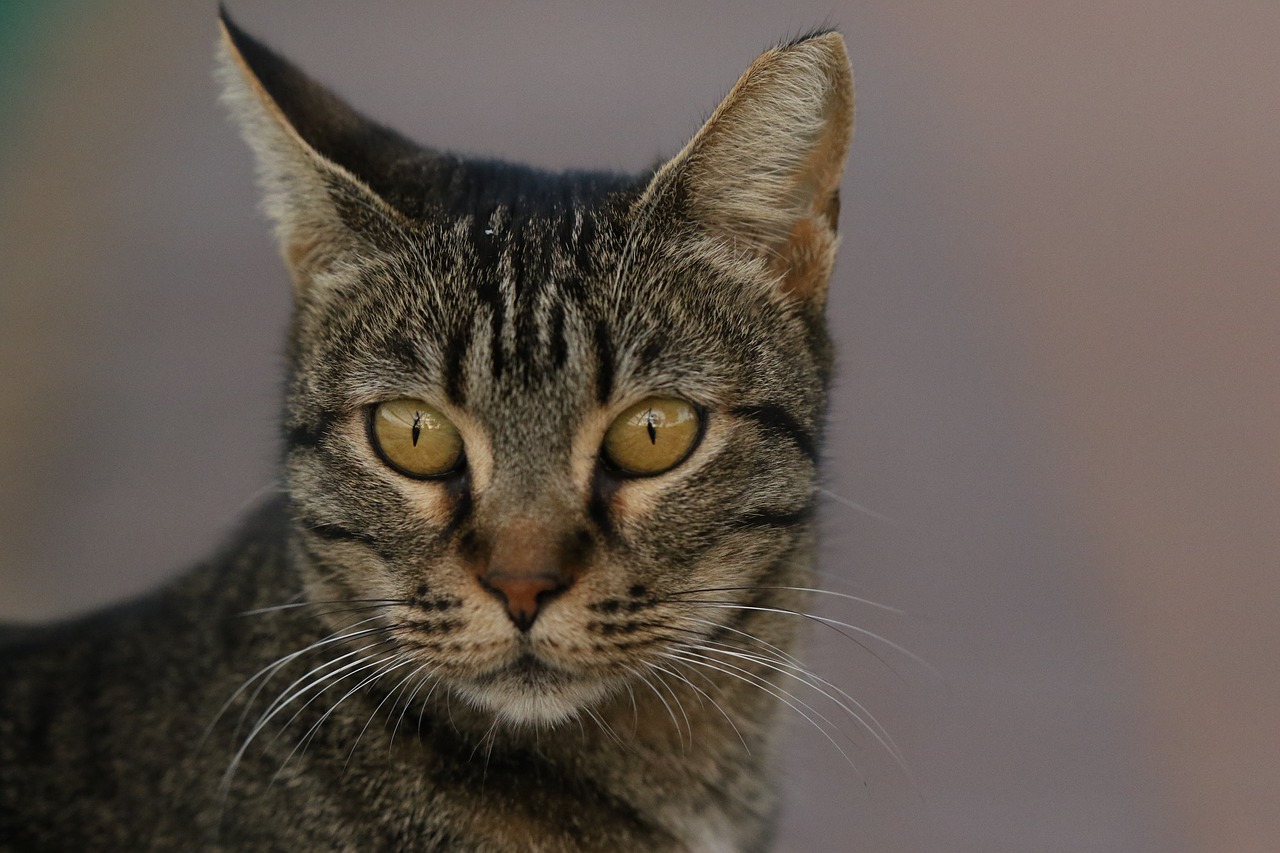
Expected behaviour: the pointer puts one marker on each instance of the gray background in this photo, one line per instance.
(1057, 312)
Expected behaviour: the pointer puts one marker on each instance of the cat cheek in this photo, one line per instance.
(434, 508)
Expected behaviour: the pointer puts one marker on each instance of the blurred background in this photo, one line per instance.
(1053, 438)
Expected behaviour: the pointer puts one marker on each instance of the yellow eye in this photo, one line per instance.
(415, 439)
(653, 436)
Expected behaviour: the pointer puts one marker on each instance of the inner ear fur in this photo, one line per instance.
(762, 175)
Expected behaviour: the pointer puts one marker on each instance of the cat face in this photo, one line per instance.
(549, 425)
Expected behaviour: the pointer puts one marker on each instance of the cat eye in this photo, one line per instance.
(653, 436)
(414, 439)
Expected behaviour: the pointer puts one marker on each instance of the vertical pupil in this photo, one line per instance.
(653, 432)
(417, 427)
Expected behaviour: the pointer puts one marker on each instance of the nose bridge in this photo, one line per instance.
(532, 498)
(530, 553)
(531, 445)
(531, 464)
(526, 564)
(527, 515)
(524, 547)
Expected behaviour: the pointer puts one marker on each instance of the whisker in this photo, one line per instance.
(806, 589)
(835, 624)
(782, 653)
(854, 640)
(281, 702)
(635, 709)
(709, 698)
(679, 705)
(484, 739)
(364, 603)
(777, 693)
(290, 695)
(353, 667)
(795, 669)
(270, 669)
(253, 697)
(304, 742)
(605, 728)
(408, 702)
(405, 660)
(762, 681)
(843, 501)
(643, 679)
(810, 679)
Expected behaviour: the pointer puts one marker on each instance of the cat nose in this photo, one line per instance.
(526, 567)
(523, 595)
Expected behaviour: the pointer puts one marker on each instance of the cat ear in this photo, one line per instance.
(298, 130)
(762, 176)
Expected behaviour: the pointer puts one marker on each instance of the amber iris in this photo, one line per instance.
(653, 436)
(415, 439)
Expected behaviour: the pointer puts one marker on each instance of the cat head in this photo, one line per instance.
(548, 425)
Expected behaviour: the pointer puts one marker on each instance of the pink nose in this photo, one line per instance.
(523, 594)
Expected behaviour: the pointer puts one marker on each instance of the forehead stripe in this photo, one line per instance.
(604, 363)
(455, 359)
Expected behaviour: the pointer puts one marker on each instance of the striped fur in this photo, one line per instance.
(531, 309)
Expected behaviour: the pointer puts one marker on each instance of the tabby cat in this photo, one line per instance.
(549, 482)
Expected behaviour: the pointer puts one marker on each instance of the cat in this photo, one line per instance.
(547, 517)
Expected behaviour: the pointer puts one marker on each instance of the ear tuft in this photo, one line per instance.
(763, 173)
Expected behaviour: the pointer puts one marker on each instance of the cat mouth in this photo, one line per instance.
(531, 670)
(529, 690)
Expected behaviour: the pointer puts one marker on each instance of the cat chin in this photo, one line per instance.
(520, 704)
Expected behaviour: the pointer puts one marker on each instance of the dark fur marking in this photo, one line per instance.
(599, 507)
(558, 345)
(604, 364)
(469, 545)
(444, 626)
(612, 629)
(497, 357)
(775, 420)
(459, 489)
(488, 249)
(572, 287)
(526, 283)
(531, 278)
(405, 351)
(652, 349)
(488, 253)
(774, 518)
(584, 249)
(455, 359)
(310, 435)
(336, 532)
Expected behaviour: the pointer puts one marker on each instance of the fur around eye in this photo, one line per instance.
(415, 439)
(652, 437)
